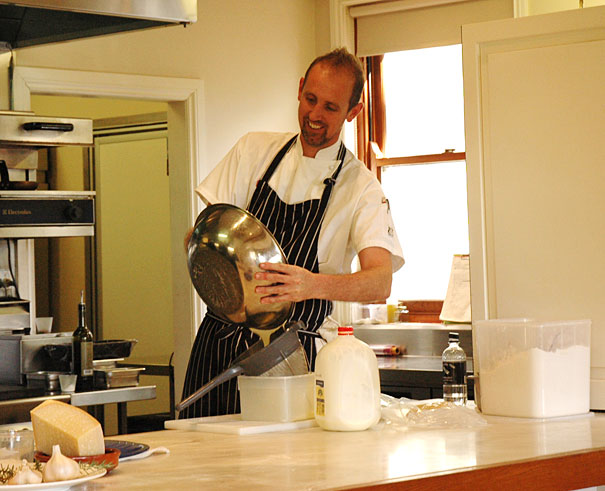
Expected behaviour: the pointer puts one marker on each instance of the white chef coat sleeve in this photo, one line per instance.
(373, 225)
(222, 185)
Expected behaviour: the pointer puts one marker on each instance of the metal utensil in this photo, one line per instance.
(285, 355)
(224, 252)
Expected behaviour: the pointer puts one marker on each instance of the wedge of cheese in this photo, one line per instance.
(73, 429)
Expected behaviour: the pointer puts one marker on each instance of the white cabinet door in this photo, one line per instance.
(535, 142)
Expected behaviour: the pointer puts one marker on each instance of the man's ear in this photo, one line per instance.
(354, 111)
(301, 83)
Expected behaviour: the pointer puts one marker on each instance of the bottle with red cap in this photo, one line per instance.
(347, 384)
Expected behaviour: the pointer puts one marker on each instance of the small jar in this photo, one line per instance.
(17, 444)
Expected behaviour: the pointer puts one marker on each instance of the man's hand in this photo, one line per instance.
(288, 283)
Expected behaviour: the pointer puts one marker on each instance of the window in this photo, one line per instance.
(416, 115)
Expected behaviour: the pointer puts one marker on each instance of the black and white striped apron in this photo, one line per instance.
(296, 228)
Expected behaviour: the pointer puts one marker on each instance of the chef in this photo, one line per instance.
(323, 206)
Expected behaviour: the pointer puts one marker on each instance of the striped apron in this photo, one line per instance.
(296, 228)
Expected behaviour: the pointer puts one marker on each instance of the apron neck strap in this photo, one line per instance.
(277, 159)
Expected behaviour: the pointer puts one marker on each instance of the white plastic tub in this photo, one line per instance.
(533, 369)
(281, 399)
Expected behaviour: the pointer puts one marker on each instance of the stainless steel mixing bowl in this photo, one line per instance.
(224, 251)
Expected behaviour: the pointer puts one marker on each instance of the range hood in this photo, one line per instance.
(33, 22)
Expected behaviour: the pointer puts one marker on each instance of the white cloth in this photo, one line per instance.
(357, 215)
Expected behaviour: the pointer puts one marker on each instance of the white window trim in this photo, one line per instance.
(344, 12)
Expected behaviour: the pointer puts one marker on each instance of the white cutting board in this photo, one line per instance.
(232, 423)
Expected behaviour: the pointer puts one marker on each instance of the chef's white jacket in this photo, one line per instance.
(357, 216)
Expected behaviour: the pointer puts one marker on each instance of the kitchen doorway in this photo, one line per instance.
(132, 276)
(184, 101)
(129, 171)
(128, 277)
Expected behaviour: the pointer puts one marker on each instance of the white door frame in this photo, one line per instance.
(185, 133)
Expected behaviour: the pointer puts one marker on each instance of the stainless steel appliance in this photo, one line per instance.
(14, 313)
(33, 22)
(26, 213)
(24, 128)
(23, 354)
(25, 359)
(22, 134)
(30, 214)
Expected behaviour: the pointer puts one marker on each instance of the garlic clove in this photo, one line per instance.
(26, 475)
(59, 467)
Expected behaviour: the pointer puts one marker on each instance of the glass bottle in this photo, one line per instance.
(82, 350)
(454, 371)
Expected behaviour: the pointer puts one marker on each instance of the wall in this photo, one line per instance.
(249, 55)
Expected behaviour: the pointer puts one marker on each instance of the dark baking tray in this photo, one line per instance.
(113, 348)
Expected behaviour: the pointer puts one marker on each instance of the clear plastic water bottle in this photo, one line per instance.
(454, 371)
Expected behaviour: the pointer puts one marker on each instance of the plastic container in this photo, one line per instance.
(370, 314)
(347, 384)
(533, 369)
(17, 444)
(281, 399)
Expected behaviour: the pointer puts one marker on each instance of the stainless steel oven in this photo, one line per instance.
(31, 214)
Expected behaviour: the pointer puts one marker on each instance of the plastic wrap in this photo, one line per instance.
(428, 414)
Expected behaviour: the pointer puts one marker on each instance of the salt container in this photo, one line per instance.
(347, 384)
(533, 369)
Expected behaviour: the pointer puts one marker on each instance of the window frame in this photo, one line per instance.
(371, 126)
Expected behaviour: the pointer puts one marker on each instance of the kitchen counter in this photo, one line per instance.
(564, 453)
(17, 401)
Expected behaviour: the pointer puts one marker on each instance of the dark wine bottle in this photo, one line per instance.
(82, 350)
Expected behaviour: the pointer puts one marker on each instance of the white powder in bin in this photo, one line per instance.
(538, 384)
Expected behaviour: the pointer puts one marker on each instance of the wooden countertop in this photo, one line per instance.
(507, 453)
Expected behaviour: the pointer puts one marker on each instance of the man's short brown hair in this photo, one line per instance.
(341, 58)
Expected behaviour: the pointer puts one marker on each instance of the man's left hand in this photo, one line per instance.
(288, 283)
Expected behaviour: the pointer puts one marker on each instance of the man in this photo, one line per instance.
(323, 207)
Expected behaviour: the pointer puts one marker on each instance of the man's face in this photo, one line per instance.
(324, 106)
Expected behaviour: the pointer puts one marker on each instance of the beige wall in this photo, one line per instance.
(249, 56)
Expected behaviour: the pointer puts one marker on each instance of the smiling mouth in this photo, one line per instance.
(314, 126)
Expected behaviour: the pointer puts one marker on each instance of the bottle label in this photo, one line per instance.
(454, 372)
(320, 398)
(86, 357)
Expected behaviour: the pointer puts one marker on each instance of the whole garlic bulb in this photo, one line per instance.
(59, 467)
(26, 475)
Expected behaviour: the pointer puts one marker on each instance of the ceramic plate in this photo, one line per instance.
(127, 449)
(56, 486)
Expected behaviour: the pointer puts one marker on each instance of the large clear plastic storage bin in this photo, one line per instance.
(533, 369)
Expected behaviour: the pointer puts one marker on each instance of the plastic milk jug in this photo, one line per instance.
(347, 384)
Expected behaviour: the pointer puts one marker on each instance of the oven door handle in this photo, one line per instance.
(47, 126)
